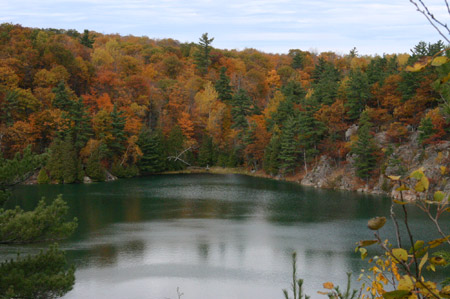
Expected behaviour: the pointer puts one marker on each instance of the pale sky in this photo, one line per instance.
(378, 26)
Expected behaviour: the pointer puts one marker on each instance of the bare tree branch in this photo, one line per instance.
(431, 19)
(177, 157)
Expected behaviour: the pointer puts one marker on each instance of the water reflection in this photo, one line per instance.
(214, 236)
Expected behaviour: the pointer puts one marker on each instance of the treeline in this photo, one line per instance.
(133, 105)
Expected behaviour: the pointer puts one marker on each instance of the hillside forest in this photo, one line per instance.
(97, 104)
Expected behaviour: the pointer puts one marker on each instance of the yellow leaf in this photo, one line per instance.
(419, 187)
(400, 202)
(322, 293)
(328, 285)
(394, 177)
(400, 254)
(418, 66)
(443, 170)
(425, 182)
(363, 253)
(364, 243)
(405, 283)
(438, 61)
(423, 261)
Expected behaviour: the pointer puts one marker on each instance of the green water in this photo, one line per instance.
(213, 236)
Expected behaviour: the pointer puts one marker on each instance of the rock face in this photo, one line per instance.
(319, 176)
(109, 176)
(401, 161)
(87, 180)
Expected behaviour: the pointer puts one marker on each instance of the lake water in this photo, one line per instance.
(210, 236)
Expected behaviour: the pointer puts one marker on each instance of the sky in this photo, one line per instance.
(273, 26)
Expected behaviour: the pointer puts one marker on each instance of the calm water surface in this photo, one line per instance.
(212, 236)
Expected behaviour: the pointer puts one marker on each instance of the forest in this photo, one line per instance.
(133, 105)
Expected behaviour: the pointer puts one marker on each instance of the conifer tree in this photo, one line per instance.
(207, 152)
(426, 129)
(85, 40)
(63, 164)
(174, 147)
(151, 145)
(62, 98)
(326, 85)
(365, 148)
(358, 93)
(271, 163)
(223, 87)
(45, 275)
(94, 168)
(288, 146)
(202, 57)
(241, 108)
(78, 124)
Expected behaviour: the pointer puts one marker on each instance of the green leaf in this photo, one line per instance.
(417, 174)
(439, 196)
(438, 61)
(402, 188)
(419, 244)
(398, 294)
(400, 254)
(376, 223)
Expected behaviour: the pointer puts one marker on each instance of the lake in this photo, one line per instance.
(210, 236)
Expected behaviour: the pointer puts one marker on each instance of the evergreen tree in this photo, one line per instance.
(85, 40)
(271, 163)
(326, 85)
(426, 129)
(288, 146)
(365, 148)
(311, 131)
(358, 93)
(223, 87)
(174, 147)
(94, 168)
(202, 57)
(42, 177)
(207, 153)
(8, 107)
(45, 275)
(62, 98)
(63, 164)
(78, 124)
(153, 159)
(294, 94)
(241, 108)
(297, 60)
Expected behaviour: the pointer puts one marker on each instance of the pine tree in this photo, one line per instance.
(78, 123)
(223, 86)
(202, 57)
(153, 159)
(271, 163)
(365, 148)
(326, 85)
(358, 93)
(45, 275)
(94, 169)
(63, 164)
(174, 147)
(85, 40)
(289, 146)
(62, 98)
(207, 152)
(297, 60)
(241, 108)
(311, 131)
(426, 129)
